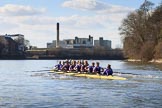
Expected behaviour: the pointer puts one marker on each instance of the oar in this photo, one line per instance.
(113, 72)
(126, 73)
(38, 71)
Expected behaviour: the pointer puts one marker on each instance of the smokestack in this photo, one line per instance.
(57, 40)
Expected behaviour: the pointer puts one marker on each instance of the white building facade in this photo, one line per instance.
(73, 43)
(102, 43)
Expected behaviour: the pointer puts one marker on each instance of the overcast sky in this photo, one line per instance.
(36, 19)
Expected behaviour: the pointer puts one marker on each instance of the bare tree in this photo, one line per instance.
(139, 33)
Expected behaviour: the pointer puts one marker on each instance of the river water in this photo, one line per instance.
(28, 84)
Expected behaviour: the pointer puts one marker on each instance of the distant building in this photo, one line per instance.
(53, 44)
(83, 42)
(68, 43)
(12, 44)
(102, 43)
(73, 43)
(79, 42)
(18, 38)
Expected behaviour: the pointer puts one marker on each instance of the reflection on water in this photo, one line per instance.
(24, 84)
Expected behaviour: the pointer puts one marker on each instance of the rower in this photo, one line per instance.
(90, 68)
(108, 70)
(78, 66)
(59, 66)
(66, 66)
(97, 69)
(84, 67)
(72, 65)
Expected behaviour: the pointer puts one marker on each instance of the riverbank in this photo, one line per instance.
(158, 61)
(58, 58)
(55, 54)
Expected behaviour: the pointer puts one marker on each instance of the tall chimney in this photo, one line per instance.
(57, 40)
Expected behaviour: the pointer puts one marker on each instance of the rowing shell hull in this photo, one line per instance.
(105, 77)
(92, 76)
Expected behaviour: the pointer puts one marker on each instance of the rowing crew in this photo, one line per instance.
(78, 66)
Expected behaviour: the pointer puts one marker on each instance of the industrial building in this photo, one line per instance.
(78, 42)
(73, 43)
(81, 43)
(102, 43)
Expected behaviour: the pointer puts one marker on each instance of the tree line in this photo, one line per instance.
(141, 32)
(77, 53)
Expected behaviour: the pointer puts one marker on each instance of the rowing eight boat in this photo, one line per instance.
(94, 76)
